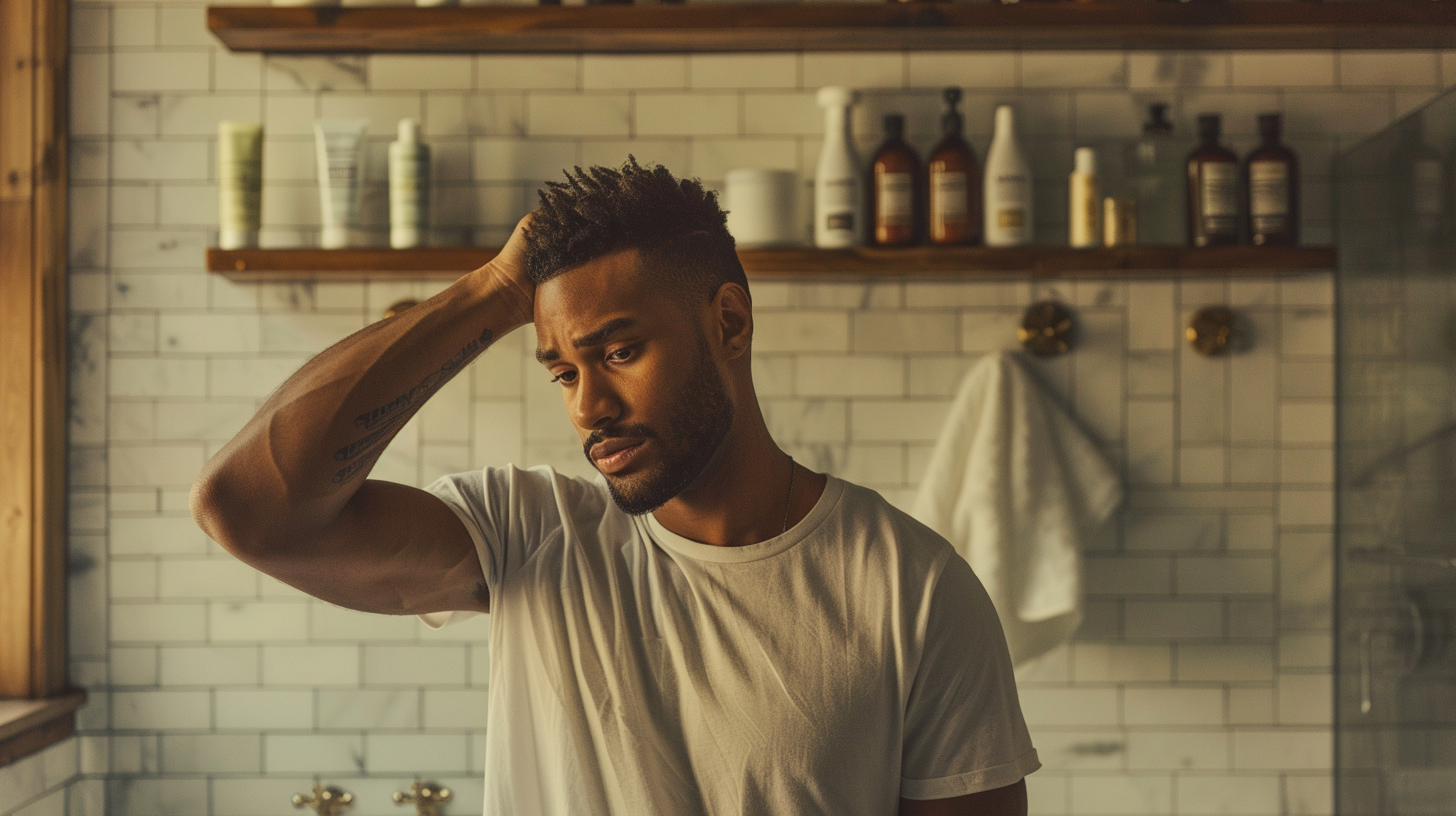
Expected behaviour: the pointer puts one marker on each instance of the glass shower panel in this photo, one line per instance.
(1395, 708)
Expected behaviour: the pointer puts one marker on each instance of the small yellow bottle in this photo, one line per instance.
(1085, 211)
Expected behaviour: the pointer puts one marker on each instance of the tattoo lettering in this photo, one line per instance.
(427, 386)
(384, 421)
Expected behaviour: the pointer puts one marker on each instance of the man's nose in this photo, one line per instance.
(597, 402)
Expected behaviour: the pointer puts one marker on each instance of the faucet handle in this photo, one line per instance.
(427, 797)
(326, 801)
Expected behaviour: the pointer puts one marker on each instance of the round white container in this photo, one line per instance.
(761, 207)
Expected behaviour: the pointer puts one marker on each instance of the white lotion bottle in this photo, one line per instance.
(1085, 205)
(1007, 189)
(838, 182)
(409, 187)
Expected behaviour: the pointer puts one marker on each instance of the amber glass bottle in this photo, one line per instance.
(1271, 187)
(1213, 188)
(894, 178)
(954, 182)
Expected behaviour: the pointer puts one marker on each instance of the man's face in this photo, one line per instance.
(638, 376)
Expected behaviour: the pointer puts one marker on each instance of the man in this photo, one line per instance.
(708, 629)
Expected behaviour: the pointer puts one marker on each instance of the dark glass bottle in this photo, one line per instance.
(1422, 169)
(1154, 168)
(894, 180)
(1271, 188)
(1213, 188)
(954, 182)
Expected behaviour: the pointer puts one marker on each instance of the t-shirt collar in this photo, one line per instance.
(833, 489)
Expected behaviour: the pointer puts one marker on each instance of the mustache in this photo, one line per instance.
(620, 432)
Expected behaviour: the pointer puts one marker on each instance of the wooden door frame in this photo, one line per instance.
(33, 369)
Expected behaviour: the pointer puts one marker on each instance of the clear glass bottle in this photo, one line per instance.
(954, 181)
(1213, 188)
(894, 186)
(1154, 171)
(1271, 189)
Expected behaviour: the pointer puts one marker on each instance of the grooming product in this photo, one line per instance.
(1154, 171)
(1119, 221)
(1085, 204)
(409, 187)
(894, 177)
(1423, 170)
(761, 207)
(1007, 189)
(1213, 188)
(239, 184)
(1271, 183)
(954, 182)
(838, 198)
(340, 146)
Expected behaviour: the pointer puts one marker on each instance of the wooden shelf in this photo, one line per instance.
(920, 262)
(1097, 24)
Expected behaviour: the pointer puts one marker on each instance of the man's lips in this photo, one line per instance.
(612, 455)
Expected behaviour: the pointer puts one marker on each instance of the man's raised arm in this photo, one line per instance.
(289, 493)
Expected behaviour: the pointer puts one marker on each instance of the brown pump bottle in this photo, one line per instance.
(954, 182)
(895, 182)
(1213, 188)
(1271, 189)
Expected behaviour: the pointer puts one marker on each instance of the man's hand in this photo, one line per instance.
(509, 267)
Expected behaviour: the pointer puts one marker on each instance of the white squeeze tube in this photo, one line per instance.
(838, 183)
(239, 184)
(340, 162)
(409, 187)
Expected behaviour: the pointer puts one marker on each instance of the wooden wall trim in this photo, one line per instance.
(33, 132)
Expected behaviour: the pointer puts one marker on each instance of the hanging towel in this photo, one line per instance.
(1015, 485)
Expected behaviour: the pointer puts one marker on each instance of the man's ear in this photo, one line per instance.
(733, 312)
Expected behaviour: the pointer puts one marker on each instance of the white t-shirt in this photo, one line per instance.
(833, 669)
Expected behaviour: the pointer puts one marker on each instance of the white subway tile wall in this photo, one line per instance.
(1199, 682)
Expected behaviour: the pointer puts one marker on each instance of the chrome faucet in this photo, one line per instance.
(427, 797)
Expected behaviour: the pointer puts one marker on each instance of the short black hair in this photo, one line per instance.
(675, 223)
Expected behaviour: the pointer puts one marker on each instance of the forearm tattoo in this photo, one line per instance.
(382, 422)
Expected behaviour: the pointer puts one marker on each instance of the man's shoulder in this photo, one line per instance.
(538, 490)
(865, 510)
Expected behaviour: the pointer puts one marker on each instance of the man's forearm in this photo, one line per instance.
(300, 459)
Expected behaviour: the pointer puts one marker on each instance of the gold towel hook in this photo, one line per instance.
(1213, 330)
(1046, 329)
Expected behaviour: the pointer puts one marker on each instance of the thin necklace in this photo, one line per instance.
(788, 500)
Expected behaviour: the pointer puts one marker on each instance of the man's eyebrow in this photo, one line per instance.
(596, 337)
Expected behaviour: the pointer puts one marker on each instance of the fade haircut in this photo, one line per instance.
(675, 223)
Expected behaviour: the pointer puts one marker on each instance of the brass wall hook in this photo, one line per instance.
(1046, 329)
(326, 801)
(399, 306)
(427, 797)
(1213, 330)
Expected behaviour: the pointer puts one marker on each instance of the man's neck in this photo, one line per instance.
(743, 496)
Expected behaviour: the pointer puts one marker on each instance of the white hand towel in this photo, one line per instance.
(1014, 484)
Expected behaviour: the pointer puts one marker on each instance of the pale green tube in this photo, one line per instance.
(239, 184)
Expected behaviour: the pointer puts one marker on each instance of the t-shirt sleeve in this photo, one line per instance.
(964, 732)
(503, 509)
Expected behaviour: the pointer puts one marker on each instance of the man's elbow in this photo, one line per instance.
(221, 508)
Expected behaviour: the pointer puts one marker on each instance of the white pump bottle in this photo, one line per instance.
(838, 186)
(1007, 189)
(409, 187)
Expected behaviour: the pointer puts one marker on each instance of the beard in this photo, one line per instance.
(696, 424)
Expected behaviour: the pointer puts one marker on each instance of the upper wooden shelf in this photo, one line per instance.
(863, 263)
(1096, 24)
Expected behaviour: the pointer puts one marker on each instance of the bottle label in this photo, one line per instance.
(948, 196)
(1269, 196)
(1426, 187)
(895, 198)
(836, 200)
(1218, 197)
(1009, 218)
